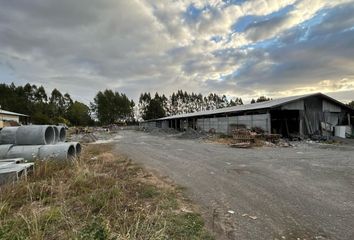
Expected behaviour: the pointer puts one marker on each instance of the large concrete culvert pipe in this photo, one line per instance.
(8, 135)
(56, 132)
(78, 149)
(4, 149)
(76, 145)
(57, 152)
(35, 135)
(29, 153)
(62, 133)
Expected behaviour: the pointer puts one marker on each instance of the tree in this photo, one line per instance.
(111, 107)
(79, 114)
(144, 102)
(263, 99)
(39, 117)
(253, 101)
(40, 95)
(236, 102)
(351, 104)
(57, 104)
(67, 101)
(154, 110)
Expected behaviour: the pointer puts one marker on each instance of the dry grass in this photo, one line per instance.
(100, 196)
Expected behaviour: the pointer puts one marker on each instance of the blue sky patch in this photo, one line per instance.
(247, 21)
(192, 13)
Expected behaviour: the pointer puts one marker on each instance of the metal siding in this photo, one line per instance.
(164, 124)
(206, 126)
(298, 105)
(221, 124)
(330, 107)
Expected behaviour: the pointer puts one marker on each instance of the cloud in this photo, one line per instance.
(238, 48)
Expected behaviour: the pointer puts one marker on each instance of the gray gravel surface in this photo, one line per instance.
(303, 192)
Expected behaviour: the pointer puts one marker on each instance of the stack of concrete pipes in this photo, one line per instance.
(34, 142)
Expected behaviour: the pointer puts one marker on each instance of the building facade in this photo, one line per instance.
(7, 117)
(305, 115)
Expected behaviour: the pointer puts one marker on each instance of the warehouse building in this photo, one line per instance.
(8, 118)
(305, 115)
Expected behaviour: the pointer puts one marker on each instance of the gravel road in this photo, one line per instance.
(303, 192)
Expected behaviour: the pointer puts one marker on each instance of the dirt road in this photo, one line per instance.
(305, 192)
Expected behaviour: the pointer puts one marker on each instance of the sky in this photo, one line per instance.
(240, 48)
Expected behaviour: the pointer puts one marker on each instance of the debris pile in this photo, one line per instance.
(246, 138)
(83, 137)
(243, 138)
(190, 133)
(94, 134)
(161, 131)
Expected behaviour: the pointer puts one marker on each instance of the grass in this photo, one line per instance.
(100, 196)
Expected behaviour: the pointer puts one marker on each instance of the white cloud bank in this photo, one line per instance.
(238, 48)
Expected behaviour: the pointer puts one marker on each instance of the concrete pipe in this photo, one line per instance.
(8, 135)
(14, 160)
(35, 135)
(56, 132)
(30, 152)
(62, 133)
(4, 149)
(78, 149)
(77, 146)
(57, 152)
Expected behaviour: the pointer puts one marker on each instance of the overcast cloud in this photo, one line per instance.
(233, 47)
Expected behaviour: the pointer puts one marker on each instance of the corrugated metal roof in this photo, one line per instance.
(12, 113)
(246, 107)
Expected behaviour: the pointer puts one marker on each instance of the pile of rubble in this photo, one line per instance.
(160, 131)
(190, 133)
(29, 143)
(83, 137)
(245, 138)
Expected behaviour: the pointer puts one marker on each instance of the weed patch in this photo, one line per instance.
(100, 196)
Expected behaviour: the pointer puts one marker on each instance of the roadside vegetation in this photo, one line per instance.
(100, 196)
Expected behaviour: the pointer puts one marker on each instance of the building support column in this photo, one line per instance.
(349, 123)
(269, 122)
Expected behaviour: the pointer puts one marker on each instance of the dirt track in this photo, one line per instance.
(306, 192)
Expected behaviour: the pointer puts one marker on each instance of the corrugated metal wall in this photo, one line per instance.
(147, 124)
(330, 107)
(222, 124)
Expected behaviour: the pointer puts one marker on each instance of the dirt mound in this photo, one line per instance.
(191, 134)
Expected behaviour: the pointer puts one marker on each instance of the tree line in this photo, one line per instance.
(156, 106)
(108, 107)
(33, 100)
(56, 107)
(183, 102)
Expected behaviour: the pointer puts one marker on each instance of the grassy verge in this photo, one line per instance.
(100, 196)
